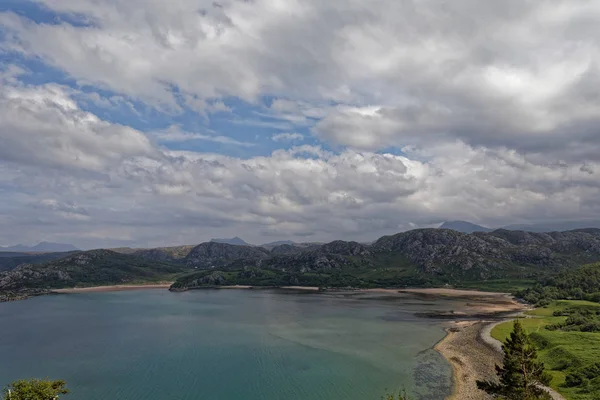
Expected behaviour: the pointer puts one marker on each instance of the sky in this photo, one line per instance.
(152, 122)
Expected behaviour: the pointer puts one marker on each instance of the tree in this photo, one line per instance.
(35, 389)
(521, 376)
(400, 396)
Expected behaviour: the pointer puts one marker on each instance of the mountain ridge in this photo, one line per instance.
(420, 257)
(236, 241)
(42, 247)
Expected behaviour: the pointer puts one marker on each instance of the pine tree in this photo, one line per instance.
(521, 375)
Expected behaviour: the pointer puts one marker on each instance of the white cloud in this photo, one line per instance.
(517, 75)
(175, 134)
(287, 137)
(43, 125)
(151, 196)
(493, 104)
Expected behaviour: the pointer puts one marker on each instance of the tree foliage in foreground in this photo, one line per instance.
(400, 396)
(35, 389)
(521, 375)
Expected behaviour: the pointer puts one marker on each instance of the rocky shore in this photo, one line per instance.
(473, 354)
(471, 358)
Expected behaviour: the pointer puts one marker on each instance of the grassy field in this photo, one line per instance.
(562, 352)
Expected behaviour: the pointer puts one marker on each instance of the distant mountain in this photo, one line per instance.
(234, 241)
(464, 227)
(277, 243)
(559, 226)
(43, 247)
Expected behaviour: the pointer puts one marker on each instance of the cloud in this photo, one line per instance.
(493, 107)
(287, 137)
(152, 196)
(516, 75)
(43, 125)
(175, 134)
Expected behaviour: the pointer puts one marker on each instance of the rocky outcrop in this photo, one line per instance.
(89, 268)
(213, 254)
(439, 250)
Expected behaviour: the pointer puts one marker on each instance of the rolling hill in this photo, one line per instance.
(414, 258)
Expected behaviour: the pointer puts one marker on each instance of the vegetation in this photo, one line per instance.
(578, 284)
(10, 260)
(521, 374)
(89, 268)
(570, 353)
(400, 396)
(35, 389)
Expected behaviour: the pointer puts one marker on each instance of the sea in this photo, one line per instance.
(227, 345)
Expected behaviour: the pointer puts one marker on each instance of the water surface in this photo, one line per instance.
(224, 345)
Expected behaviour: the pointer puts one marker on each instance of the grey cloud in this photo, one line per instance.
(517, 75)
(492, 103)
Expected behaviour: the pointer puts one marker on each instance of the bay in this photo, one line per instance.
(226, 345)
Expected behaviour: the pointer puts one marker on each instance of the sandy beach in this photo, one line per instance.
(467, 345)
(471, 358)
(113, 288)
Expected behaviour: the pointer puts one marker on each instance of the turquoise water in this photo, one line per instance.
(224, 345)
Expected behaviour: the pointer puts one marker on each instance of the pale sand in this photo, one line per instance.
(472, 356)
(307, 288)
(451, 292)
(113, 288)
(471, 359)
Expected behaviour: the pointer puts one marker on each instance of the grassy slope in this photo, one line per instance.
(559, 349)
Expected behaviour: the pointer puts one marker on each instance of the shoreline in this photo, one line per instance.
(465, 347)
(112, 288)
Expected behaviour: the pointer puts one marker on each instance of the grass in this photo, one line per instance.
(560, 351)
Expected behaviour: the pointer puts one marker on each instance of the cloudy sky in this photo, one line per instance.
(147, 122)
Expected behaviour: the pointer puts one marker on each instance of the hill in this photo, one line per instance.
(215, 254)
(418, 257)
(88, 268)
(10, 260)
(271, 245)
(421, 257)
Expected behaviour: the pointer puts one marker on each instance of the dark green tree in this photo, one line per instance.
(521, 375)
(34, 389)
(400, 396)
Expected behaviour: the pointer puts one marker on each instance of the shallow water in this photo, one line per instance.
(225, 345)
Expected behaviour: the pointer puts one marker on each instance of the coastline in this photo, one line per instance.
(470, 353)
(470, 357)
(113, 288)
